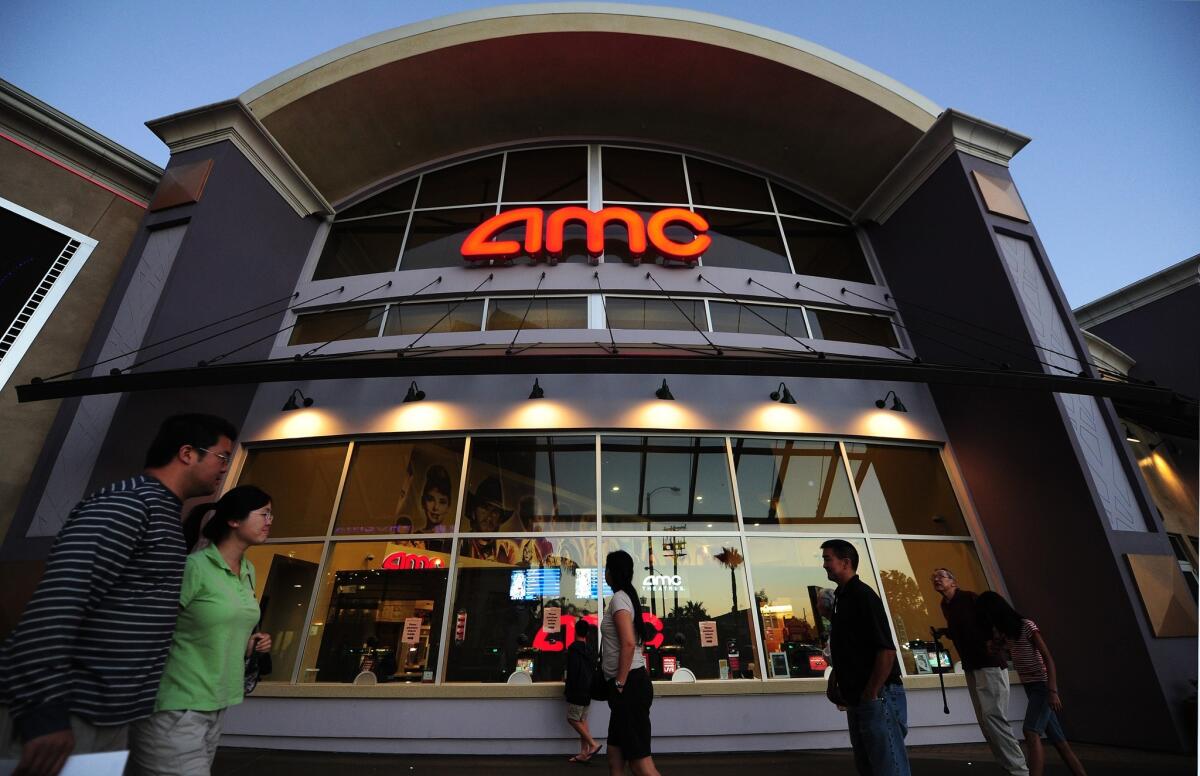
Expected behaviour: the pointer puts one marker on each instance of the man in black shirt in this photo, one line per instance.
(866, 674)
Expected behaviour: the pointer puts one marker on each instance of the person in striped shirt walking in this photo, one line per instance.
(1031, 657)
(86, 657)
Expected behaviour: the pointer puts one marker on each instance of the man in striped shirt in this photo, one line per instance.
(86, 657)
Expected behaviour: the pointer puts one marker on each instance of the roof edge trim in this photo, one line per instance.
(1140, 293)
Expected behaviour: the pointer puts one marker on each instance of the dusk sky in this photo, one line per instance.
(1106, 89)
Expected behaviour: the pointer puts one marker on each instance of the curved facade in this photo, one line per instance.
(497, 404)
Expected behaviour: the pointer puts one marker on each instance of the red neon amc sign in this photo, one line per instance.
(544, 235)
(407, 560)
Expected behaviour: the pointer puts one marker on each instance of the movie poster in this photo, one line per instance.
(401, 487)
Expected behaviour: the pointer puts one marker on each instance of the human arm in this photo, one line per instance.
(880, 668)
(623, 618)
(1051, 672)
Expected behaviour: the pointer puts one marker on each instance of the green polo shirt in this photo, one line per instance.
(217, 613)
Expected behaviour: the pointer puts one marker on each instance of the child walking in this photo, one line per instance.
(1031, 657)
(581, 664)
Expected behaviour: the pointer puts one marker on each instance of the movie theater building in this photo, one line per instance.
(495, 294)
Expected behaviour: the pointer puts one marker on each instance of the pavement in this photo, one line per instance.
(971, 759)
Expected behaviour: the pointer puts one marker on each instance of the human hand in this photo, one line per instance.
(1055, 701)
(260, 642)
(869, 694)
(46, 755)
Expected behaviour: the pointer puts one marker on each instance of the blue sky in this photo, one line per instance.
(1107, 89)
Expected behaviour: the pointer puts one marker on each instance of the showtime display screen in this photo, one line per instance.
(534, 584)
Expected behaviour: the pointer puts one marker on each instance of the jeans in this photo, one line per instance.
(877, 731)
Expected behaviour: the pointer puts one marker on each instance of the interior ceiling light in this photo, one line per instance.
(537, 392)
(897, 405)
(414, 393)
(782, 394)
(664, 393)
(292, 404)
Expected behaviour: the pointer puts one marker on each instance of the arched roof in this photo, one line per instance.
(399, 100)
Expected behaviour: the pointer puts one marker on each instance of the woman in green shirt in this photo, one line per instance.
(213, 636)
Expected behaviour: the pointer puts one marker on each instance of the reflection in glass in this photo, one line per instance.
(792, 204)
(302, 482)
(508, 594)
(905, 568)
(434, 317)
(379, 610)
(285, 575)
(827, 251)
(347, 324)
(469, 183)
(660, 314)
(436, 237)
(508, 313)
(395, 199)
(361, 247)
(686, 581)
(849, 327)
(642, 176)
(530, 484)
(794, 621)
(681, 482)
(546, 175)
(905, 490)
(773, 320)
(721, 186)
(793, 484)
(744, 240)
(401, 487)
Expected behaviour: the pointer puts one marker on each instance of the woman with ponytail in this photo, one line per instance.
(205, 668)
(629, 690)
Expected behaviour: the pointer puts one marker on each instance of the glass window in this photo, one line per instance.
(361, 247)
(507, 313)
(682, 482)
(393, 200)
(827, 251)
(379, 610)
(470, 183)
(721, 186)
(905, 568)
(744, 240)
(795, 625)
(507, 595)
(905, 490)
(685, 582)
(401, 487)
(659, 314)
(744, 318)
(285, 575)
(302, 482)
(546, 175)
(535, 484)
(643, 176)
(793, 485)
(852, 327)
(792, 204)
(436, 236)
(348, 324)
(434, 317)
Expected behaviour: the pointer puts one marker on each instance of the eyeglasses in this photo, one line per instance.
(224, 458)
(268, 516)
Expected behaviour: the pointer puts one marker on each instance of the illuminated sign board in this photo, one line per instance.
(408, 560)
(534, 584)
(544, 235)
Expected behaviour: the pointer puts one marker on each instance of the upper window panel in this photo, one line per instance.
(434, 317)
(354, 323)
(470, 183)
(664, 314)
(790, 203)
(743, 318)
(546, 175)
(546, 313)
(793, 485)
(302, 482)
(905, 490)
(394, 200)
(721, 186)
(539, 483)
(826, 251)
(436, 237)
(362, 247)
(401, 487)
(678, 482)
(852, 327)
(744, 241)
(643, 176)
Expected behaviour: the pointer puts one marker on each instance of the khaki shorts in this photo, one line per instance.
(577, 713)
(174, 743)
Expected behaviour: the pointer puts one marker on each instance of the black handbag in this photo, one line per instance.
(258, 664)
(599, 689)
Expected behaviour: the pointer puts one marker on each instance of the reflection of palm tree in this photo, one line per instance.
(906, 602)
(694, 611)
(730, 558)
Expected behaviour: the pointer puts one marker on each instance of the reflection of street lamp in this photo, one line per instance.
(650, 540)
(676, 546)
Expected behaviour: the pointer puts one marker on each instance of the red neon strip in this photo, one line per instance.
(72, 170)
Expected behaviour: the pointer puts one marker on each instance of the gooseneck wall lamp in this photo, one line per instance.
(414, 393)
(293, 404)
(537, 392)
(897, 405)
(664, 393)
(783, 395)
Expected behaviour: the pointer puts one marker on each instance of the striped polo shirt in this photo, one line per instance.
(93, 639)
(1025, 657)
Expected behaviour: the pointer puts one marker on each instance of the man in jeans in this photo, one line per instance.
(866, 674)
(987, 673)
(86, 657)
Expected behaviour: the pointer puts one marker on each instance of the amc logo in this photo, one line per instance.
(407, 560)
(663, 581)
(481, 244)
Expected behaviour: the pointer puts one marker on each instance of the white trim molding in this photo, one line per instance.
(232, 120)
(1143, 292)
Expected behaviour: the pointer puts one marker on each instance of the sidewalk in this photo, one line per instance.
(974, 759)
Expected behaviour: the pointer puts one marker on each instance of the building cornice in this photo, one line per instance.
(79, 146)
(1143, 292)
(1108, 354)
(232, 121)
(953, 131)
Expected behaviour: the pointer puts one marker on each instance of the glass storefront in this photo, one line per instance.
(451, 559)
